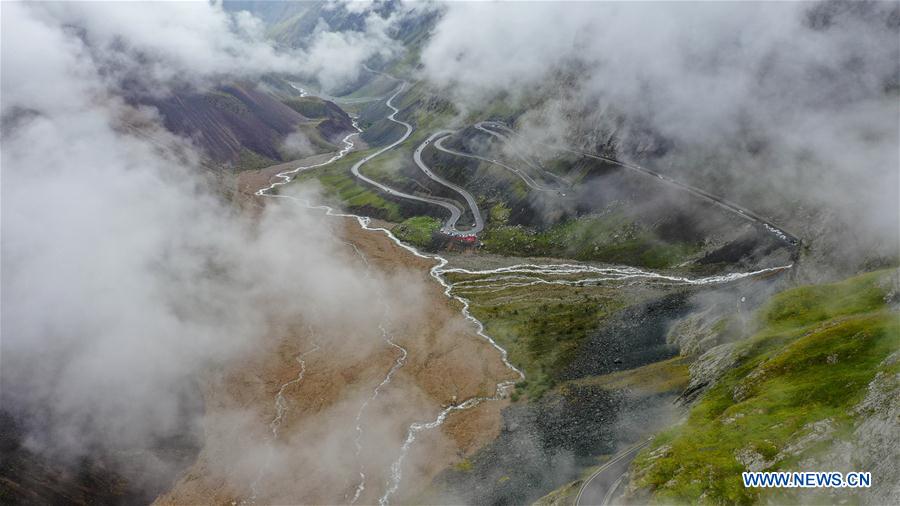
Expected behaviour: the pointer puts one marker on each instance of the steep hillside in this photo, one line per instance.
(244, 127)
(815, 388)
(598, 372)
(133, 475)
(228, 120)
(334, 121)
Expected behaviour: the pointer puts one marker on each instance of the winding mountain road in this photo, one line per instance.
(719, 201)
(561, 181)
(528, 180)
(455, 211)
(450, 225)
(478, 226)
(602, 485)
(600, 488)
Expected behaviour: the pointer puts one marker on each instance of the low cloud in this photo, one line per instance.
(146, 48)
(335, 58)
(297, 145)
(125, 276)
(790, 107)
(155, 47)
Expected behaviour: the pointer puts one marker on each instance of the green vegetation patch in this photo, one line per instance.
(309, 107)
(251, 160)
(670, 375)
(612, 237)
(417, 230)
(227, 102)
(817, 350)
(499, 214)
(541, 325)
(464, 465)
(339, 184)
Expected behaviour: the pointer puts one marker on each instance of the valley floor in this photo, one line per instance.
(314, 458)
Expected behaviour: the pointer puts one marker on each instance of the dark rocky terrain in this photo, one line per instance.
(545, 444)
(110, 476)
(549, 441)
(634, 337)
(230, 119)
(243, 125)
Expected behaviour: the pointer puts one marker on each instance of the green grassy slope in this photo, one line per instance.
(817, 350)
(311, 107)
(541, 326)
(417, 230)
(394, 168)
(340, 187)
(609, 238)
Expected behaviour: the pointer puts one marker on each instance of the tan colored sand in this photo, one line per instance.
(314, 459)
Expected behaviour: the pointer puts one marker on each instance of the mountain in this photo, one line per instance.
(575, 252)
(608, 364)
(244, 125)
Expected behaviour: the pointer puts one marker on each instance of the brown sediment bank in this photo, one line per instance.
(251, 180)
(314, 459)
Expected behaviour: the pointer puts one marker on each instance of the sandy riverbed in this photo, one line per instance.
(314, 459)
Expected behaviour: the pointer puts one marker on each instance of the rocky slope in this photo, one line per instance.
(813, 387)
(244, 126)
(133, 475)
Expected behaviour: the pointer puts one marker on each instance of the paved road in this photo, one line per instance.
(455, 211)
(478, 226)
(439, 144)
(721, 202)
(603, 486)
(450, 226)
(561, 182)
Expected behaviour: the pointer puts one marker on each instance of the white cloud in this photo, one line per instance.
(297, 145)
(779, 103)
(124, 274)
(335, 58)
